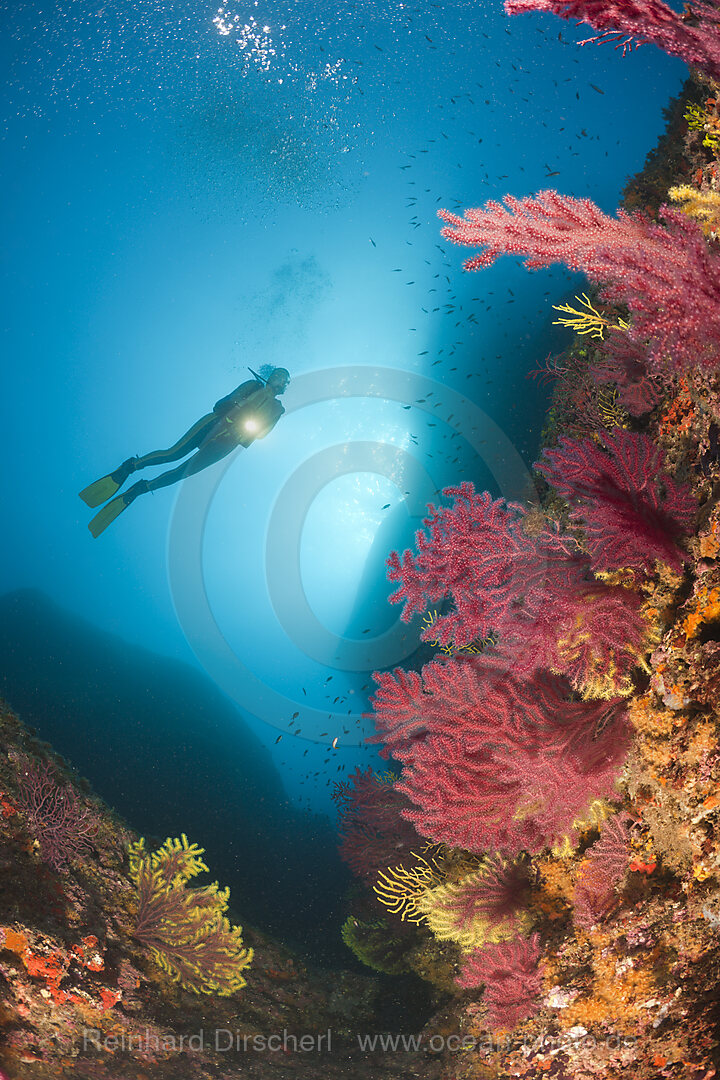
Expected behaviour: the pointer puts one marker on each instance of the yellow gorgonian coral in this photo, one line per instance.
(474, 647)
(609, 408)
(375, 946)
(705, 120)
(703, 205)
(399, 888)
(598, 811)
(601, 678)
(185, 928)
(589, 321)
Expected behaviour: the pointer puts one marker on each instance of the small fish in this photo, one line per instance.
(278, 739)
(596, 88)
(372, 241)
(335, 742)
(386, 506)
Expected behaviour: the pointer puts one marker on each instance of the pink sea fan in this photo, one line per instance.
(666, 275)
(497, 892)
(600, 634)
(450, 697)
(511, 772)
(595, 891)
(63, 826)
(472, 698)
(477, 552)
(510, 974)
(373, 834)
(633, 512)
(533, 591)
(693, 35)
(486, 905)
(624, 363)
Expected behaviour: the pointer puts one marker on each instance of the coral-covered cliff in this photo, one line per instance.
(559, 758)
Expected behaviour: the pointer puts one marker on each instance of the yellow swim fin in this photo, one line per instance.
(115, 507)
(107, 515)
(100, 491)
(104, 488)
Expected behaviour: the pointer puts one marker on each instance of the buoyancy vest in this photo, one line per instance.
(237, 397)
(260, 408)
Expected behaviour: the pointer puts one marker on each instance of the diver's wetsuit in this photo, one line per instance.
(248, 413)
(215, 435)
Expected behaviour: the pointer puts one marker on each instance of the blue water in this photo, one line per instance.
(186, 193)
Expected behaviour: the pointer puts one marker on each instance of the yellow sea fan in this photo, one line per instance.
(589, 321)
(429, 620)
(176, 861)
(474, 647)
(611, 411)
(704, 120)
(598, 676)
(186, 929)
(703, 205)
(399, 888)
(598, 811)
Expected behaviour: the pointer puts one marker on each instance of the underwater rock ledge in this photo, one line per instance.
(80, 996)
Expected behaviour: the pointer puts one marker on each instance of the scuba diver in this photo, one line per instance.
(248, 413)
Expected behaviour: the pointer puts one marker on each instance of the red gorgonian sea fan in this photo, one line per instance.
(509, 972)
(476, 552)
(624, 363)
(535, 593)
(666, 275)
(633, 512)
(489, 904)
(61, 824)
(513, 765)
(497, 893)
(606, 862)
(693, 34)
(450, 697)
(373, 835)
